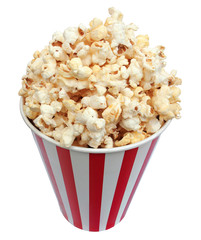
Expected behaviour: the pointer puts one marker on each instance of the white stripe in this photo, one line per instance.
(56, 169)
(80, 165)
(45, 164)
(43, 160)
(139, 160)
(113, 162)
(34, 136)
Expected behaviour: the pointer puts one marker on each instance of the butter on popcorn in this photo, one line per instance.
(100, 86)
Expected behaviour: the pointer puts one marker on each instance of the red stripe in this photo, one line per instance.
(140, 175)
(96, 170)
(127, 164)
(50, 173)
(67, 171)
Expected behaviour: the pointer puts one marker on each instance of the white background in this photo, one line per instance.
(167, 204)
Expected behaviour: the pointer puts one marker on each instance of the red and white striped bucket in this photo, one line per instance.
(94, 187)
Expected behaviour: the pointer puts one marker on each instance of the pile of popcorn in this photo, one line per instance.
(100, 87)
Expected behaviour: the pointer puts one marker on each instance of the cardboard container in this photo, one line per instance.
(94, 187)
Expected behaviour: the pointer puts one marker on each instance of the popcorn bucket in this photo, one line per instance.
(94, 187)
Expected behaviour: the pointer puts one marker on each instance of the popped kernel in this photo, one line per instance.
(130, 124)
(142, 41)
(153, 125)
(95, 102)
(131, 138)
(98, 33)
(108, 142)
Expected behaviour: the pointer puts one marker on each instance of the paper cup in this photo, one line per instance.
(94, 187)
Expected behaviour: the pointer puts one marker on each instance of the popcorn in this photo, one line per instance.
(95, 126)
(71, 105)
(88, 113)
(71, 85)
(57, 106)
(63, 94)
(144, 109)
(58, 53)
(83, 52)
(130, 124)
(131, 138)
(29, 113)
(58, 38)
(71, 35)
(82, 30)
(130, 109)
(70, 133)
(47, 109)
(42, 96)
(42, 125)
(108, 141)
(36, 66)
(55, 47)
(78, 70)
(112, 113)
(153, 125)
(98, 33)
(94, 102)
(84, 138)
(135, 73)
(100, 86)
(116, 16)
(161, 102)
(101, 90)
(127, 92)
(142, 41)
(57, 133)
(49, 67)
(101, 52)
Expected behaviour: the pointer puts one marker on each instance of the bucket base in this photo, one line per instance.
(86, 229)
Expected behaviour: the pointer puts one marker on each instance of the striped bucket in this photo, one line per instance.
(94, 187)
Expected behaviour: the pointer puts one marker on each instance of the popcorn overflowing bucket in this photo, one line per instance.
(94, 187)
